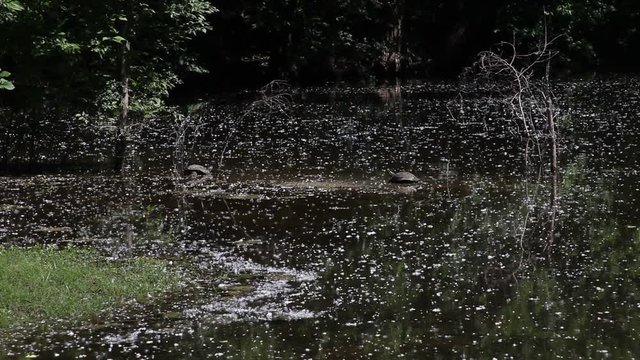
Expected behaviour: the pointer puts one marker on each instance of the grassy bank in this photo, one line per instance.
(43, 283)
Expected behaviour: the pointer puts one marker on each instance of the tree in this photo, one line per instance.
(152, 38)
(581, 23)
(114, 61)
(523, 89)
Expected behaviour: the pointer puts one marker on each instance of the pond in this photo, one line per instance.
(305, 251)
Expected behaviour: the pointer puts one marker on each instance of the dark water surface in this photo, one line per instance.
(305, 252)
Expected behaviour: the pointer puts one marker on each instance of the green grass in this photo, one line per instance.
(40, 284)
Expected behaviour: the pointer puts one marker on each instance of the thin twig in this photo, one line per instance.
(275, 98)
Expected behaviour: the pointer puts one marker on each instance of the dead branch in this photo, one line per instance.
(275, 99)
(519, 84)
(182, 127)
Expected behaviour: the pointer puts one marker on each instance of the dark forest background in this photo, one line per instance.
(115, 62)
(315, 41)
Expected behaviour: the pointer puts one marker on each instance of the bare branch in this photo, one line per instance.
(275, 98)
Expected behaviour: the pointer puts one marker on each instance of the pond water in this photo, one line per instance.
(303, 249)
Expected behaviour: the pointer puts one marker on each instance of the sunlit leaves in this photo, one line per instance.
(69, 55)
(117, 39)
(11, 5)
(155, 43)
(192, 15)
(45, 45)
(9, 9)
(5, 84)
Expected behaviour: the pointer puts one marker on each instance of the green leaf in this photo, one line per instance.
(69, 47)
(4, 74)
(6, 85)
(13, 6)
(118, 39)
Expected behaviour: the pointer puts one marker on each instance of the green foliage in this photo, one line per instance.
(528, 22)
(155, 41)
(46, 283)
(70, 57)
(68, 54)
(9, 9)
(4, 83)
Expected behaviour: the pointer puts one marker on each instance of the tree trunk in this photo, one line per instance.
(553, 138)
(394, 57)
(553, 144)
(123, 119)
(398, 34)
